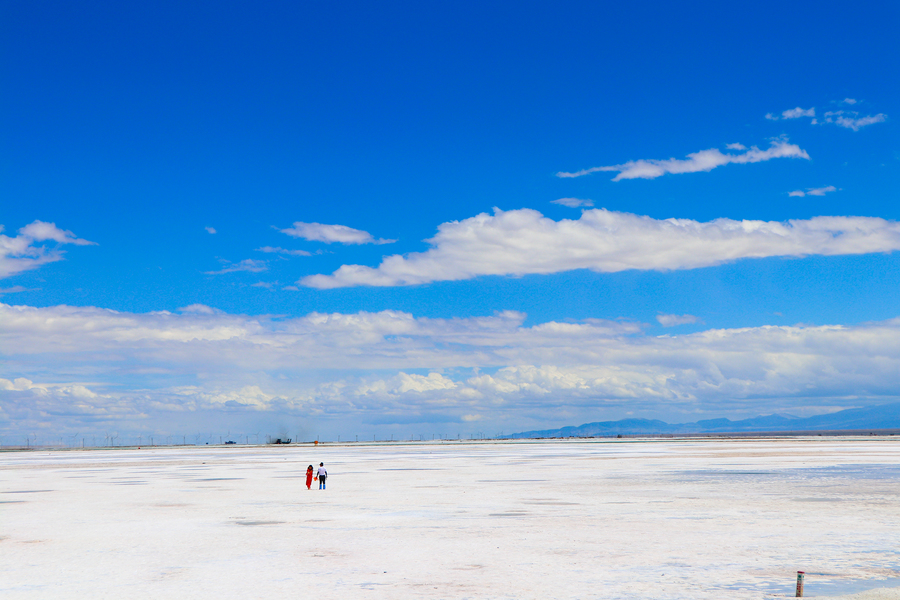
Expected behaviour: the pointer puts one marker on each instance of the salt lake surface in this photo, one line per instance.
(518, 519)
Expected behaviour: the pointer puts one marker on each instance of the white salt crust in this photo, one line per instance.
(564, 519)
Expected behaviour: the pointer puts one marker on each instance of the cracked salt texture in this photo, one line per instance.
(518, 519)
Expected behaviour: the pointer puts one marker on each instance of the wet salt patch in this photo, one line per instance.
(839, 587)
(819, 499)
(821, 588)
(512, 480)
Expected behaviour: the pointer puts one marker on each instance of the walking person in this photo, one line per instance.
(322, 475)
(309, 476)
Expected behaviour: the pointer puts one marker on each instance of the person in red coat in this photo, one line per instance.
(309, 476)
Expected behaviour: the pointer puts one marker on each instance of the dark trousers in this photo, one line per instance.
(321, 482)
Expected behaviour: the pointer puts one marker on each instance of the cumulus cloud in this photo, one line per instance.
(146, 368)
(848, 101)
(248, 264)
(317, 232)
(705, 160)
(673, 320)
(210, 230)
(521, 242)
(573, 202)
(26, 251)
(813, 191)
(277, 250)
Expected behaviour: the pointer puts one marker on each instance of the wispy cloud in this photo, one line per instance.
(705, 160)
(276, 250)
(26, 251)
(851, 119)
(813, 191)
(573, 202)
(673, 320)
(521, 242)
(842, 118)
(248, 264)
(317, 232)
(16, 289)
(210, 230)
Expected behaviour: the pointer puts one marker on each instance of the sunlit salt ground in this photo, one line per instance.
(554, 519)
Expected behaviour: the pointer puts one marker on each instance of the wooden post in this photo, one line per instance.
(800, 575)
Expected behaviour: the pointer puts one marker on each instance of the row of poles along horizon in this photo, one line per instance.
(114, 441)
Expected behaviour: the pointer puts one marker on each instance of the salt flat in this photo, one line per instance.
(549, 519)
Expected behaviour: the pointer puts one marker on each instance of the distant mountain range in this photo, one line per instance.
(886, 416)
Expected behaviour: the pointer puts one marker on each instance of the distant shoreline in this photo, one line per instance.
(738, 435)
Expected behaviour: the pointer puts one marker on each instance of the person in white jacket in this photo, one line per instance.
(321, 475)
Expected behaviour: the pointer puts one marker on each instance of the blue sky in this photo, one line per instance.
(222, 176)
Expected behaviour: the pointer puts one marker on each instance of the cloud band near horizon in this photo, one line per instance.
(145, 368)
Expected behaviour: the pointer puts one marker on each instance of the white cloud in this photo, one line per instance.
(852, 120)
(24, 252)
(248, 264)
(573, 202)
(841, 118)
(40, 231)
(247, 396)
(146, 369)
(813, 191)
(16, 289)
(520, 242)
(200, 309)
(210, 230)
(673, 320)
(317, 232)
(277, 250)
(735, 146)
(705, 160)
(796, 113)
